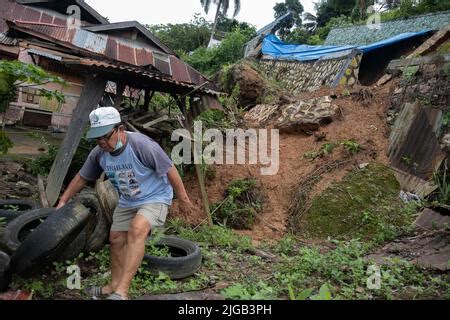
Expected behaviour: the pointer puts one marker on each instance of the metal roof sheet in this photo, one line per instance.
(113, 48)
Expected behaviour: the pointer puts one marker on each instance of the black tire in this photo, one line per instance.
(97, 229)
(18, 229)
(23, 205)
(49, 239)
(184, 261)
(5, 273)
(74, 248)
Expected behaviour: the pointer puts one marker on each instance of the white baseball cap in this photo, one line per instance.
(102, 121)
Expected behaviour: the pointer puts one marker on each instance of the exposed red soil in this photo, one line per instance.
(362, 121)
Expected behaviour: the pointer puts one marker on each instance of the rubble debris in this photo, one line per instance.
(430, 250)
(303, 116)
(432, 220)
(384, 79)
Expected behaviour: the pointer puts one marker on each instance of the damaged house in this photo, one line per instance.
(92, 56)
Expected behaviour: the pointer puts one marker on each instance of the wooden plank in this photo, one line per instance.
(152, 123)
(92, 93)
(144, 117)
(131, 127)
(42, 194)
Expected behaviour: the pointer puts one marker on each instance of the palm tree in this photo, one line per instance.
(309, 22)
(222, 6)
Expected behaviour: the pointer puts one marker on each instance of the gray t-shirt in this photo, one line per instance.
(139, 172)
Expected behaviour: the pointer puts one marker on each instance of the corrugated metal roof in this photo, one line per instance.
(4, 39)
(413, 146)
(44, 54)
(432, 220)
(414, 184)
(115, 48)
(139, 71)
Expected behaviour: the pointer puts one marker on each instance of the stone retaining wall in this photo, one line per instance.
(362, 35)
(298, 76)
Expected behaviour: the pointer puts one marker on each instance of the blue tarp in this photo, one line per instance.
(276, 48)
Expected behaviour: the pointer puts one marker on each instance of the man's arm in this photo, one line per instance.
(74, 187)
(185, 204)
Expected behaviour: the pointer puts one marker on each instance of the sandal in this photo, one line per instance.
(115, 296)
(95, 292)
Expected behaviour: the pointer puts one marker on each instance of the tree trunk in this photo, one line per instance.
(219, 5)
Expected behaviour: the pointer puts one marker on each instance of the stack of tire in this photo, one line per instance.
(36, 237)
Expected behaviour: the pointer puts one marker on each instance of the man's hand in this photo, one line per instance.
(61, 204)
(185, 206)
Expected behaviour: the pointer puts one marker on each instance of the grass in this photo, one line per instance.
(298, 272)
(364, 204)
(243, 201)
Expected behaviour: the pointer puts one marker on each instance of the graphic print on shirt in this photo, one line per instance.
(124, 179)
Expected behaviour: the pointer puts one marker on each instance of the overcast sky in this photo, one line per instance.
(256, 12)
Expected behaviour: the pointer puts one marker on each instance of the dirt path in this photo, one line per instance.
(28, 142)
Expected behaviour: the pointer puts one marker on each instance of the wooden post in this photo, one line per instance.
(147, 99)
(90, 96)
(120, 88)
(198, 168)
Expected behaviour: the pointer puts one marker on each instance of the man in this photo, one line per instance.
(145, 178)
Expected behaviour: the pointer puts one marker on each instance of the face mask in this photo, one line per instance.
(119, 144)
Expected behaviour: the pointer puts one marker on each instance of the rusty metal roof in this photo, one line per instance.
(53, 27)
(71, 59)
(413, 145)
(60, 5)
(126, 25)
(114, 48)
(4, 39)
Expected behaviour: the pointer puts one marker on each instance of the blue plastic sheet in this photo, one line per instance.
(276, 48)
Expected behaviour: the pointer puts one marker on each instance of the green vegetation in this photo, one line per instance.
(42, 164)
(210, 61)
(442, 195)
(350, 146)
(2, 224)
(344, 270)
(242, 203)
(299, 271)
(364, 204)
(183, 36)
(5, 143)
(14, 74)
(215, 235)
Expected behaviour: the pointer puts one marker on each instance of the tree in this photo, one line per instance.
(388, 4)
(293, 6)
(309, 22)
(327, 9)
(222, 7)
(184, 36)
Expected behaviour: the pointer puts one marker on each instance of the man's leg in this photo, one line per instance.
(135, 250)
(118, 242)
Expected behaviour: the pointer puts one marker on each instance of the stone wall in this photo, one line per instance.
(299, 77)
(361, 35)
